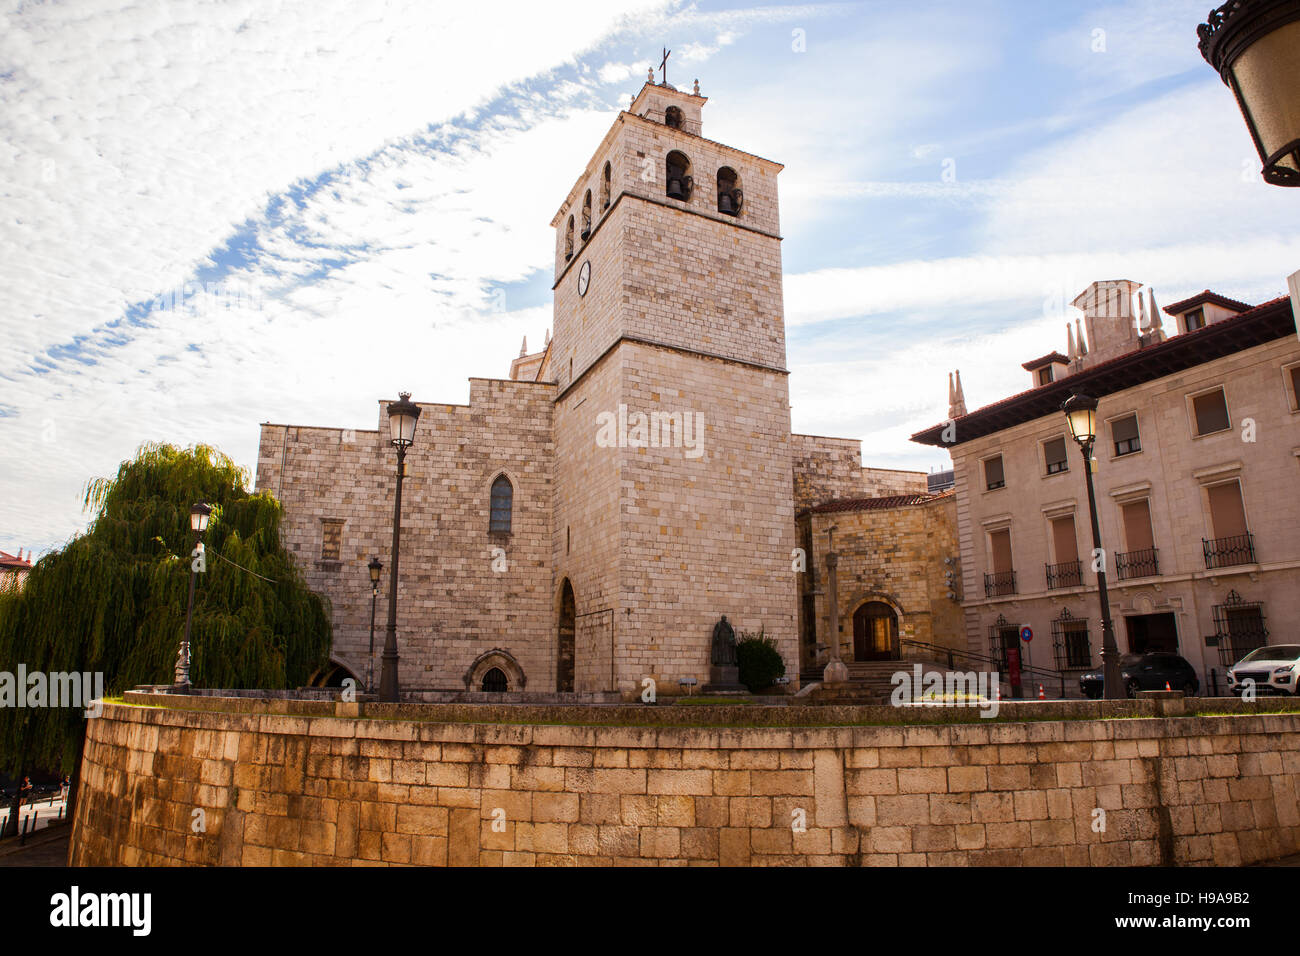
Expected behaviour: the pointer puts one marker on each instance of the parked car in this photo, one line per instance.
(1146, 672)
(1274, 669)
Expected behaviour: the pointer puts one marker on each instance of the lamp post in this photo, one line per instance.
(200, 514)
(402, 416)
(1081, 413)
(1252, 44)
(376, 567)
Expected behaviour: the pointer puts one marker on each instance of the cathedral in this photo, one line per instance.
(581, 526)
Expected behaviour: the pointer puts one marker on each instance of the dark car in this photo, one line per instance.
(1146, 672)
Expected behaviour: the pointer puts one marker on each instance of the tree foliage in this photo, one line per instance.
(113, 600)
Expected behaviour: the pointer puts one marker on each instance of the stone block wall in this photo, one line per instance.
(453, 605)
(310, 789)
(892, 555)
(708, 535)
(829, 468)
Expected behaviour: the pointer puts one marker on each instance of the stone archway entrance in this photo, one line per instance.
(564, 639)
(875, 632)
(333, 674)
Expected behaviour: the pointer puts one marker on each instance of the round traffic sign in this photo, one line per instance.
(1026, 633)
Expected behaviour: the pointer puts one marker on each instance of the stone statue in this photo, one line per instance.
(724, 644)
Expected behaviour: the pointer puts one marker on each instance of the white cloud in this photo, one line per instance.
(136, 144)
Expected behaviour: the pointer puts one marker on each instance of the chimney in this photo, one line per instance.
(1109, 319)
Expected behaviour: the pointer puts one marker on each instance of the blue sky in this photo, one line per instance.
(219, 214)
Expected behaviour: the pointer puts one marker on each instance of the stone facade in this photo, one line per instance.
(1172, 599)
(898, 551)
(455, 605)
(310, 788)
(624, 552)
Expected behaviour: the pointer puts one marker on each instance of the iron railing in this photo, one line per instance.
(999, 584)
(1067, 574)
(1229, 551)
(1137, 564)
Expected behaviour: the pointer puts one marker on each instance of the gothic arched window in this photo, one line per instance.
(503, 498)
(673, 117)
(604, 189)
(677, 171)
(494, 681)
(568, 240)
(730, 197)
(586, 216)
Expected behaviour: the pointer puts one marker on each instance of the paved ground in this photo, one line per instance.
(47, 848)
(36, 815)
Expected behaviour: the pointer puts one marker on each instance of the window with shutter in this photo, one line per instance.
(1054, 455)
(1211, 411)
(993, 476)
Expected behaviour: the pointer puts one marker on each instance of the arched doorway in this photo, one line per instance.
(875, 632)
(494, 681)
(564, 639)
(333, 674)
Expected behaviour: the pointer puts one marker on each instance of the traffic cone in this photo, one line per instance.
(1041, 695)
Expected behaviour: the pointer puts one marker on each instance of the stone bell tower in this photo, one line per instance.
(673, 491)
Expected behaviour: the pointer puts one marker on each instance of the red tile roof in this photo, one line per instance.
(872, 504)
(12, 562)
(1213, 298)
(1264, 323)
(1047, 359)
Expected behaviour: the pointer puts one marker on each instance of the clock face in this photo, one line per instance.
(584, 277)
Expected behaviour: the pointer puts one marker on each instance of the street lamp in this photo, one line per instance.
(376, 566)
(200, 515)
(1253, 45)
(402, 416)
(1081, 413)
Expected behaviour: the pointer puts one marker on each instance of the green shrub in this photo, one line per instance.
(760, 662)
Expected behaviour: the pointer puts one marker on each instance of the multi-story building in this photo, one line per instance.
(14, 569)
(1196, 466)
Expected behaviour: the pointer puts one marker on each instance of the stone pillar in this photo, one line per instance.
(835, 671)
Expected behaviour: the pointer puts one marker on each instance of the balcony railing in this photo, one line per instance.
(1226, 552)
(999, 584)
(1067, 574)
(1137, 564)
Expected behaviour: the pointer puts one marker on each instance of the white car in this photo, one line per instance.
(1274, 669)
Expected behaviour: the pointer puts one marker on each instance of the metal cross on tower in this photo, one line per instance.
(664, 65)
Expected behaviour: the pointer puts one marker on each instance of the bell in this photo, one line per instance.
(675, 189)
(724, 204)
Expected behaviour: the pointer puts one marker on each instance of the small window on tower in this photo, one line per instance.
(604, 189)
(673, 117)
(568, 241)
(677, 169)
(331, 539)
(730, 196)
(503, 496)
(586, 216)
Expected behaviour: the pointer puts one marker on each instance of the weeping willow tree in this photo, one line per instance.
(114, 599)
